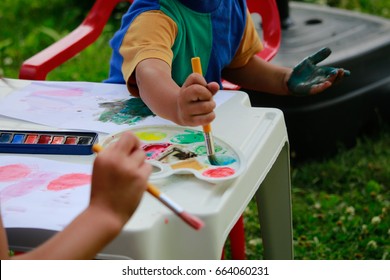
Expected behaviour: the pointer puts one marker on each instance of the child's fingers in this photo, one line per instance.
(127, 143)
(195, 78)
(320, 87)
(320, 55)
(213, 87)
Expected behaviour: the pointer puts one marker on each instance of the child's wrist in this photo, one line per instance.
(110, 220)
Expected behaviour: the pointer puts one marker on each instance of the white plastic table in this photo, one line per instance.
(260, 134)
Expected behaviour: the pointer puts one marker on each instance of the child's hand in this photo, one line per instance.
(195, 103)
(119, 178)
(307, 78)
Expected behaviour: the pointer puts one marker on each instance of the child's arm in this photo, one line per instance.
(119, 180)
(192, 104)
(260, 75)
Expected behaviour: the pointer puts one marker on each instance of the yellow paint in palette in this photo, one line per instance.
(151, 136)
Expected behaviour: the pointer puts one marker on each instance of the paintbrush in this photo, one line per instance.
(208, 137)
(191, 220)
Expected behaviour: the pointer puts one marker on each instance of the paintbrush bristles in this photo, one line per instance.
(209, 143)
(192, 220)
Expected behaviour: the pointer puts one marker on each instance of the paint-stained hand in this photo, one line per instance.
(195, 103)
(308, 78)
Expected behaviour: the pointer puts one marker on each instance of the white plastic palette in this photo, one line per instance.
(180, 150)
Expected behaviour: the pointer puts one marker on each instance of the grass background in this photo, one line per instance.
(340, 204)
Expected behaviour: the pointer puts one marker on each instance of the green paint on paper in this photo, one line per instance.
(128, 111)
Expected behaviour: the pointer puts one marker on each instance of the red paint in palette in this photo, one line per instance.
(220, 172)
(69, 181)
(44, 139)
(153, 150)
(58, 140)
(31, 139)
(71, 140)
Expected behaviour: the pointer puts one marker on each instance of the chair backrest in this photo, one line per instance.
(38, 66)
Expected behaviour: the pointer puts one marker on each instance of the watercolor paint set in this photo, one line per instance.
(47, 142)
(174, 150)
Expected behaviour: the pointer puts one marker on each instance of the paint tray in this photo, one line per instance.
(47, 142)
(180, 150)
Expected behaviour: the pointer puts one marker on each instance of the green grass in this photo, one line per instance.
(341, 204)
(375, 7)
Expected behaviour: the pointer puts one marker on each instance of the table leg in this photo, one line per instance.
(274, 206)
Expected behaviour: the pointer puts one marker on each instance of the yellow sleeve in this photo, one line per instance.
(151, 35)
(249, 46)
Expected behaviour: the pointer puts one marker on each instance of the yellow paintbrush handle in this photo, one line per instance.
(196, 66)
(153, 190)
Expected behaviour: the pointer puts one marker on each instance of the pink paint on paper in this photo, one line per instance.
(76, 92)
(220, 172)
(21, 189)
(13, 172)
(69, 181)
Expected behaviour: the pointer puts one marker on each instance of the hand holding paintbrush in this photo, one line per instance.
(193, 221)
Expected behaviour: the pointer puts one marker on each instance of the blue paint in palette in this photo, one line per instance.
(18, 139)
(47, 142)
(5, 137)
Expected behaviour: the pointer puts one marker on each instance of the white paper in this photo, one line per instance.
(81, 105)
(41, 193)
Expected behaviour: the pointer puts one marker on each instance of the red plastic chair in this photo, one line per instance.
(38, 66)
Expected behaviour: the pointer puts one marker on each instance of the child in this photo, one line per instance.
(153, 49)
(119, 179)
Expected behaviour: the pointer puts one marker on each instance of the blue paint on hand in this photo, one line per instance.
(307, 75)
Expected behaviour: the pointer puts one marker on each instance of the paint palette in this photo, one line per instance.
(180, 150)
(47, 142)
